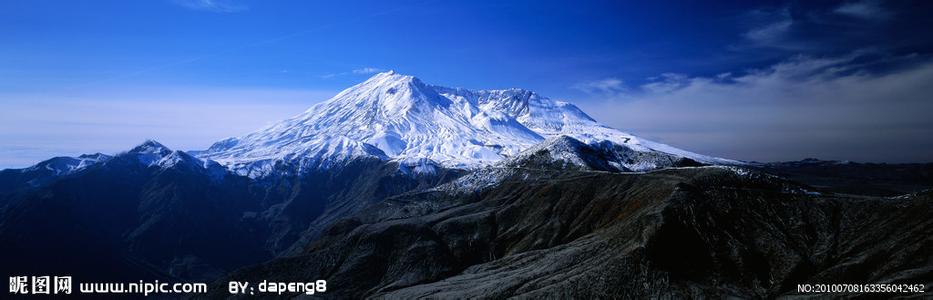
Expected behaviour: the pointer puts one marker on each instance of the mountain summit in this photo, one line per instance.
(398, 117)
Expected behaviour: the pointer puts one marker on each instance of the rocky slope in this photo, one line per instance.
(708, 232)
(152, 212)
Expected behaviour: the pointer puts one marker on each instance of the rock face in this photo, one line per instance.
(299, 207)
(694, 232)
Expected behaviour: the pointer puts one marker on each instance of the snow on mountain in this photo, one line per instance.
(63, 165)
(567, 152)
(47, 170)
(398, 117)
(149, 152)
(560, 151)
(153, 154)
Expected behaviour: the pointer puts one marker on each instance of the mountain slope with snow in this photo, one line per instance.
(398, 117)
(47, 170)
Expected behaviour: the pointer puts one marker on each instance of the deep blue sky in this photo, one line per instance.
(73, 71)
(533, 44)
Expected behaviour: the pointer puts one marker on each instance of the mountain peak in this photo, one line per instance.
(399, 117)
(62, 165)
(149, 152)
(387, 73)
(389, 95)
(390, 78)
(151, 146)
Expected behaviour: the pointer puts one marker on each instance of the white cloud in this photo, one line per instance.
(773, 28)
(218, 6)
(803, 107)
(666, 82)
(360, 71)
(865, 9)
(603, 86)
(367, 70)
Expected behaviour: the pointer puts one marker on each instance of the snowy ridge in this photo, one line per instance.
(153, 154)
(561, 149)
(398, 117)
(64, 165)
(564, 153)
(149, 154)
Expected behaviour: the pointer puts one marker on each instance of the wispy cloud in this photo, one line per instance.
(666, 82)
(602, 86)
(217, 6)
(865, 9)
(827, 107)
(772, 27)
(796, 28)
(367, 70)
(360, 71)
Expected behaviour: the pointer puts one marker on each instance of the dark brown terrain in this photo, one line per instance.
(707, 232)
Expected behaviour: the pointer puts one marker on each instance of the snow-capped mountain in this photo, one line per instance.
(149, 154)
(153, 154)
(398, 117)
(566, 152)
(47, 170)
(64, 165)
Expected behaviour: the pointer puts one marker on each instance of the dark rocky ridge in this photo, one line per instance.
(42, 173)
(315, 199)
(695, 232)
(534, 226)
(128, 218)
